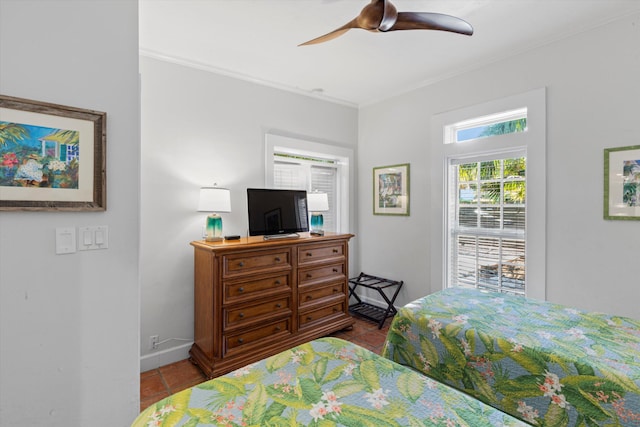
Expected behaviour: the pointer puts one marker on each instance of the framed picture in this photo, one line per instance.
(52, 157)
(391, 190)
(622, 183)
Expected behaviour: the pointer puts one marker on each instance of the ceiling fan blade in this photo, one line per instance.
(431, 21)
(389, 16)
(379, 14)
(333, 34)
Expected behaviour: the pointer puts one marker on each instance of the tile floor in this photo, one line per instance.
(166, 380)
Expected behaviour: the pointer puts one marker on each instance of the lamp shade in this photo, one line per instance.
(318, 202)
(214, 199)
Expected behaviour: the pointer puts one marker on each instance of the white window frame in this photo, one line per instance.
(452, 210)
(275, 142)
(533, 142)
(451, 130)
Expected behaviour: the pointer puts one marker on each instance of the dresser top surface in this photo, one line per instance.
(259, 241)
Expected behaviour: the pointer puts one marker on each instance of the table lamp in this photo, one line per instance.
(317, 203)
(214, 200)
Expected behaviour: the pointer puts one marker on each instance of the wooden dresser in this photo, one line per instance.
(256, 297)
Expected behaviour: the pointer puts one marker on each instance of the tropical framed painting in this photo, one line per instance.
(52, 157)
(391, 190)
(622, 183)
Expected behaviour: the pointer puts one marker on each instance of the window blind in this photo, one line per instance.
(311, 174)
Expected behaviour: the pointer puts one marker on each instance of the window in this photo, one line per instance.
(491, 159)
(311, 174)
(487, 224)
(487, 126)
(299, 164)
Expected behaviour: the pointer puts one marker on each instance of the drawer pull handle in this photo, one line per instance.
(277, 282)
(241, 264)
(241, 315)
(240, 290)
(309, 254)
(309, 297)
(278, 259)
(278, 305)
(335, 251)
(335, 270)
(309, 318)
(309, 275)
(335, 309)
(335, 290)
(240, 340)
(278, 328)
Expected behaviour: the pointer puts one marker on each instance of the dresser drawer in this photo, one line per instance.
(320, 253)
(253, 336)
(239, 290)
(259, 261)
(312, 294)
(248, 313)
(323, 313)
(327, 272)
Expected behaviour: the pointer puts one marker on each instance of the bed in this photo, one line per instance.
(544, 363)
(326, 382)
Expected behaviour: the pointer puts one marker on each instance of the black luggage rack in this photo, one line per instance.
(370, 311)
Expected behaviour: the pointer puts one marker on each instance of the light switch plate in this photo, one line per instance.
(101, 237)
(65, 240)
(93, 237)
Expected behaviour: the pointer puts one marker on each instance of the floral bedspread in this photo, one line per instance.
(327, 382)
(546, 364)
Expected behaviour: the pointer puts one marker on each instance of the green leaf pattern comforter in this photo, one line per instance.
(547, 364)
(327, 382)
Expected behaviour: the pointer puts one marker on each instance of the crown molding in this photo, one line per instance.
(228, 73)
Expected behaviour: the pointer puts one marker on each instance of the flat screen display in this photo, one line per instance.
(274, 212)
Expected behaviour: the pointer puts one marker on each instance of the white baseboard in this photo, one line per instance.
(164, 357)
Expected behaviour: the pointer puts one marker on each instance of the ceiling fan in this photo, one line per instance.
(382, 16)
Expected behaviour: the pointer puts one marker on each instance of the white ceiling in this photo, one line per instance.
(257, 40)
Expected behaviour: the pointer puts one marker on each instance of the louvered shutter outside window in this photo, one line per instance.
(304, 174)
(289, 176)
(323, 180)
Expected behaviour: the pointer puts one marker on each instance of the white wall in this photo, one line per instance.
(593, 102)
(200, 128)
(69, 323)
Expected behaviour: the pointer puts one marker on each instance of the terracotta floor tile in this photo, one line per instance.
(148, 401)
(178, 374)
(370, 324)
(152, 385)
(373, 338)
(341, 334)
(187, 384)
(150, 373)
(366, 345)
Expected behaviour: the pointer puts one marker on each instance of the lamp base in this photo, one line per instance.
(213, 228)
(317, 221)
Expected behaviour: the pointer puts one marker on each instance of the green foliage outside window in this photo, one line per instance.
(503, 128)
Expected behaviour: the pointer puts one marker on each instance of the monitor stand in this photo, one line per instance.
(282, 236)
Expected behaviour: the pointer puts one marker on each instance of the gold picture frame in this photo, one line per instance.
(52, 157)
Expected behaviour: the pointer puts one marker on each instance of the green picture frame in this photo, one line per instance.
(391, 190)
(622, 183)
